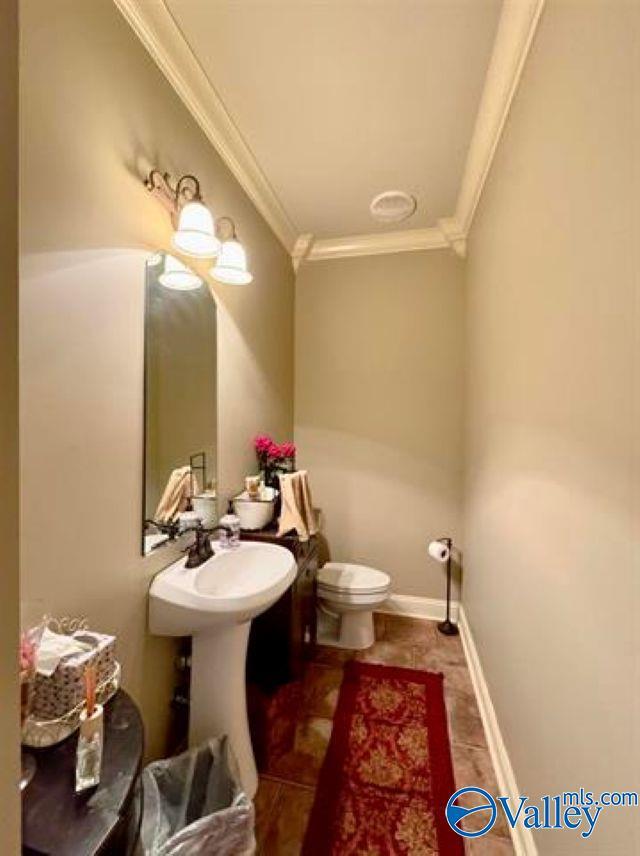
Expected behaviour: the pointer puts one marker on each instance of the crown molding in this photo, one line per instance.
(447, 234)
(516, 29)
(378, 243)
(155, 27)
(301, 249)
(455, 236)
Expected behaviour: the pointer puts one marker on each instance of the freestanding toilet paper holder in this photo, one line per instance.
(447, 626)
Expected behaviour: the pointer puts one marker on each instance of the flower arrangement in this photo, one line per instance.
(274, 458)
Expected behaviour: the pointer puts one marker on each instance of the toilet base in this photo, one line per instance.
(356, 630)
(353, 630)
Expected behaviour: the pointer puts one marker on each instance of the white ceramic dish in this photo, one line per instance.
(204, 505)
(255, 514)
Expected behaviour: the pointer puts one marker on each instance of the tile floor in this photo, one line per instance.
(286, 791)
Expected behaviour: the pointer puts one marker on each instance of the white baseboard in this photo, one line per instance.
(418, 607)
(434, 610)
(522, 838)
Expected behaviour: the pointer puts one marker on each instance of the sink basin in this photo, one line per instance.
(232, 587)
(215, 603)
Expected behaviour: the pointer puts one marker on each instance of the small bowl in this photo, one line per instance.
(255, 514)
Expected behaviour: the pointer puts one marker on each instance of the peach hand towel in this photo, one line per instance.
(176, 495)
(297, 507)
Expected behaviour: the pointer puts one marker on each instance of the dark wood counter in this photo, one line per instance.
(103, 820)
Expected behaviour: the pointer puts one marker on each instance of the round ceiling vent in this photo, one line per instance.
(392, 206)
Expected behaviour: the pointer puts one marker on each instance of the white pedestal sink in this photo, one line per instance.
(215, 603)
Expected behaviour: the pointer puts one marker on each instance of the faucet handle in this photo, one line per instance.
(201, 549)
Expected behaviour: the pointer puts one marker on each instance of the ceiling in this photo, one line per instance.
(339, 100)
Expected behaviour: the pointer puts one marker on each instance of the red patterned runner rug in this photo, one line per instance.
(387, 774)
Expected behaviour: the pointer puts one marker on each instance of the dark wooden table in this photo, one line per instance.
(104, 820)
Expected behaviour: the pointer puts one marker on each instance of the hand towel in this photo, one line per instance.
(297, 507)
(176, 494)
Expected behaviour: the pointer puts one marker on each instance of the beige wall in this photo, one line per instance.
(378, 407)
(9, 500)
(552, 553)
(96, 114)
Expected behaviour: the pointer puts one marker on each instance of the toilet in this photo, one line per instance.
(349, 594)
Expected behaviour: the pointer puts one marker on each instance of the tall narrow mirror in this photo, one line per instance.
(180, 400)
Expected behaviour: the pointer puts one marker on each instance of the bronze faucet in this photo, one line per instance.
(201, 549)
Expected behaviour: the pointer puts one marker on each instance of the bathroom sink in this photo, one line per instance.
(215, 603)
(232, 587)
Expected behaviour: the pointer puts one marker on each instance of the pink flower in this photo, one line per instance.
(288, 450)
(275, 451)
(27, 653)
(262, 444)
(269, 451)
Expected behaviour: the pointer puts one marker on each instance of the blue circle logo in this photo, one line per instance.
(456, 813)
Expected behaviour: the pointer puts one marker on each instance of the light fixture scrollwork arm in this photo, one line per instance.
(197, 233)
(187, 189)
(225, 229)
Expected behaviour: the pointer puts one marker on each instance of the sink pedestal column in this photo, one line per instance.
(219, 695)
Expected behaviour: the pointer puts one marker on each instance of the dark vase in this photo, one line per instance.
(272, 471)
(271, 477)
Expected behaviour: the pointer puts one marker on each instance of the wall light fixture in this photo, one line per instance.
(197, 234)
(193, 222)
(177, 276)
(231, 264)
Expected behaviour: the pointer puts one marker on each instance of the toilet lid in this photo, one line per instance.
(341, 576)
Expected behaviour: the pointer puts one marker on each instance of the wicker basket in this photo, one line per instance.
(39, 733)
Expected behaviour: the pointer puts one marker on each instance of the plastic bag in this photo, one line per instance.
(193, 804)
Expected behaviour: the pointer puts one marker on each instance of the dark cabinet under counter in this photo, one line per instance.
(283, 638)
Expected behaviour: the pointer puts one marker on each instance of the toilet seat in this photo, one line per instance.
(335, 600)
(343, 578)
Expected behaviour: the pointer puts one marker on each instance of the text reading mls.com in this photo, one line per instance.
(472, 812)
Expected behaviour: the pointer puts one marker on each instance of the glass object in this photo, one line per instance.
(89, 751)
(195, 235)
(231, 265)
(232, 539)
(178, 276)
(180, 393)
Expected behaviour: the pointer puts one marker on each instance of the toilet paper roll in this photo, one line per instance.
(439, 551)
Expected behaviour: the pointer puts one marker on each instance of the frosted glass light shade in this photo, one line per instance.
(231, 265)
(195, 234)
(178, 276)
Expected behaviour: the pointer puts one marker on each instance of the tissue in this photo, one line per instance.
(439, 551)
(55, 646)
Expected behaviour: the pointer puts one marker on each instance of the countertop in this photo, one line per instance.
(56, 820)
